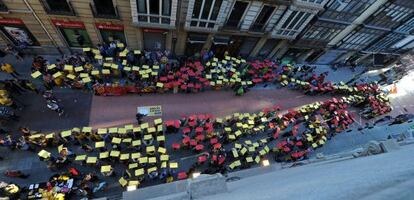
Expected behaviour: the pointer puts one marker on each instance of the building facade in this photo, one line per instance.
(313, 31)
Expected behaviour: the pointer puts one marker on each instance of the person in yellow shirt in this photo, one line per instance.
(8, 68)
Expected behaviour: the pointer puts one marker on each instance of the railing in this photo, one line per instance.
(51, 11)
(113, 15)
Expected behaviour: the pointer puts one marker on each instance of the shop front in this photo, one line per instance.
(111, 32)
(74, 33)
(154, 39)
(17, 32)
(195, 43)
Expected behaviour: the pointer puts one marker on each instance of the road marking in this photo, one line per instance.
(300, 96)
(411, 105)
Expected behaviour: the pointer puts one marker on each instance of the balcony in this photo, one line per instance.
(64, 9)
(110, 13)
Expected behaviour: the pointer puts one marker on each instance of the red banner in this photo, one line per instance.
(68, 24)
(11, 21)
(106, 26)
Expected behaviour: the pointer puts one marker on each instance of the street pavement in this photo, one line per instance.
(84, 109)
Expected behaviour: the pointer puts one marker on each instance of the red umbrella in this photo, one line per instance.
(186, 130)
(176, 146)
(199, 129)
(182, 175)
(169, 123)
(213, 141)
(221, 159)
(199, 147)
(202, 159)
(177, 124)
(192, 123)
(217, 146)
(163, 79)
(183, 87)
(200, 137)
(186, 140)
(193, 143)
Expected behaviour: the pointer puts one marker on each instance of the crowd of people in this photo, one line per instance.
(138, 155)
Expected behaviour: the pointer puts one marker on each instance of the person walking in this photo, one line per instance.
(8, 68)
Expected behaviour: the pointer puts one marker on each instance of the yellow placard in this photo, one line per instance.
(116, 140)
(139, 172)
(78, 69)
(104, 155)
(36, 74)
(164, 157)
(162, 150)
(106, 71)
(86, 80)
(122, 130)
(43, 154)
(150, 149)
(91, 160)
(143, 160)
(99, 144)
(127, 140)
(124, 156)
(102, 131)
(135, 155)
(113, 130)
(133, 165)
(173, 165)
(66, 133)
(68, 68)
(160, 138)
(57, 74)
(80, 157)
(160, 84)
(114, 153)
(106, 168)
(136, 143)
(144, 125)
(152, 160)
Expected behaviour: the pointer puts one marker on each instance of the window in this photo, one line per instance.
(3, 7)
(407, 27)
(323, 31)
(263, 17)
(236, 14)
(294, 23)
(154, 11)
(205, 13)
(390, 15)
(359, 39)
(386, 42)
(58, 7)
(104, 9)
(346, 10)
